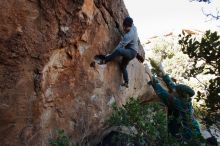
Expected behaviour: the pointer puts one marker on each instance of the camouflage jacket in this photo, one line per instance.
(181, 120)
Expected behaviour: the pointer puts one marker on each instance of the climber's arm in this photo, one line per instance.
(167, 98)
(166, 78)
(161, 92)
(127, 38)
(169, 81)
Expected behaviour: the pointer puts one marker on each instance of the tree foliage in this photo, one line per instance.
(205, 53)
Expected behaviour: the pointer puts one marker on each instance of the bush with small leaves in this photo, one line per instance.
(60, 139)
(147, 122)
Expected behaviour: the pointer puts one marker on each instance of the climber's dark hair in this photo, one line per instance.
(128, 21)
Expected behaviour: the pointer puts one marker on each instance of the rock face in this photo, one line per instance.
(47, 80)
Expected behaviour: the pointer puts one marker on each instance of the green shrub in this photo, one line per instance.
(148, 125)
(60, 139)
(148, 120)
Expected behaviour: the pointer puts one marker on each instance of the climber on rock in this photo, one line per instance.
(181, 121)
(127, 48)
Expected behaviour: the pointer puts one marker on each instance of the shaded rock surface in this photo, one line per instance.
(111, 140)
(46, 77)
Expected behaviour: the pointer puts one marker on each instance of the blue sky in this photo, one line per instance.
(158, 17)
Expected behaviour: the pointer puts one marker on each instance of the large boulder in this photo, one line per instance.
(47, 80)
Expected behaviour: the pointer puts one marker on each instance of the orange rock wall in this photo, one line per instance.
(46, 77)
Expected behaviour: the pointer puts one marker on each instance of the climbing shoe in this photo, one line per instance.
(100, 59)
(125, 84)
